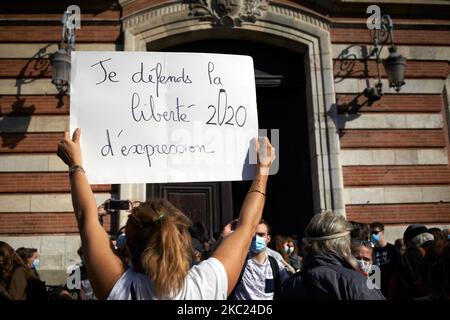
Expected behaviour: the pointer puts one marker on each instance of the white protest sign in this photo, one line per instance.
(152, 117)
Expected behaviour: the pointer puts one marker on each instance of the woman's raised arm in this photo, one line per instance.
(232, 250)
(104, 267)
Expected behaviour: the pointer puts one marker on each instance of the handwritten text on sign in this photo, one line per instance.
(163, 117)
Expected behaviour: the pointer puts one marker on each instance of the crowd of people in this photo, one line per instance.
(19, 278)
(161, 254)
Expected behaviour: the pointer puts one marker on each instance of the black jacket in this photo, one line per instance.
(328, 277)
(408, 283)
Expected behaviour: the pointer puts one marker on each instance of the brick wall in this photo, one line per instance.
(34, 184)
(395, 158)
(413, 36)
(395, 173)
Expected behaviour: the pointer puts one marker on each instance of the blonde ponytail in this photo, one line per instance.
(159, 243)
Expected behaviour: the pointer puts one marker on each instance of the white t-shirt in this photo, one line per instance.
(205, 281)
(257, 281)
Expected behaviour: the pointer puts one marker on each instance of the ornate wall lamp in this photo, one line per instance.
(60, 60)
(394, 64)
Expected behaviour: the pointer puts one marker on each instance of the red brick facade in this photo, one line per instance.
(104, 27)
(34, 29)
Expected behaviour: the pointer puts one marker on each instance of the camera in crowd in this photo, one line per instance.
(113, 205)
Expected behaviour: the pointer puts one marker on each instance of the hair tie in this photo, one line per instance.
(159, 218)
(333, 236)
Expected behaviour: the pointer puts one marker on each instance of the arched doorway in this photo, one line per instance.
(280, 84)
(175, 27)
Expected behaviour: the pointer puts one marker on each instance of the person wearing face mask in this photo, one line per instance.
(286, 247)
(363, 251)
(282, 249)
(294, 259)
(329, 270)
(35, 262)
(262, 275)
(30, 257)
(385, 255)
(16, 275)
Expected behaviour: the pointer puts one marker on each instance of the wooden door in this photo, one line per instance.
(280, 82)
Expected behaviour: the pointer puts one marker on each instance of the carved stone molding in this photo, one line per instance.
(228, 12)
(225, 13)
(302, 16)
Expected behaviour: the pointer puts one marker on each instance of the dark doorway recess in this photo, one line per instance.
(281, 97)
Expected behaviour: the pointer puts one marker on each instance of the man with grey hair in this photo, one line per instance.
(329, 270)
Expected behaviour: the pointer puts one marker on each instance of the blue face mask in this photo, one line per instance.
(258, 244)
(35, 263)
(376, 237)
(120, 241)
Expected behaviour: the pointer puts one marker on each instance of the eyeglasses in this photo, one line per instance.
(375, 232)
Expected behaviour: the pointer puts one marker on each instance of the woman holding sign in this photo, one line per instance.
(158, 241)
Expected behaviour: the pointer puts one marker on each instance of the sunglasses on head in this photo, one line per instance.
(364, 243)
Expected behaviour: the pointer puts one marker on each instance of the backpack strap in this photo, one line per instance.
(276, 276)
(133, 292)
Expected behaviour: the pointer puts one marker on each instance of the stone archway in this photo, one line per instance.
(292, 27)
